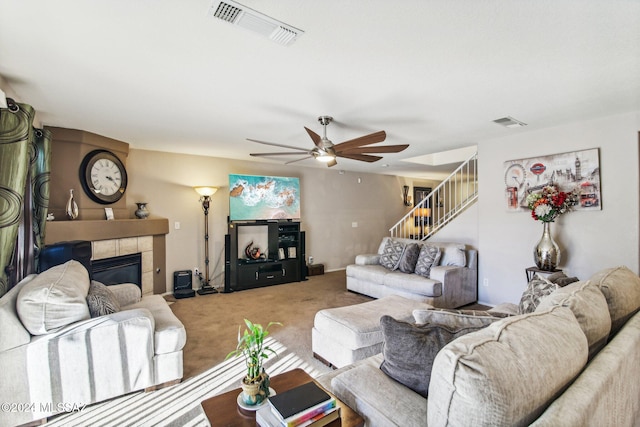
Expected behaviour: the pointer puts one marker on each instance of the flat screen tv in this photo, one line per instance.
(253, 198)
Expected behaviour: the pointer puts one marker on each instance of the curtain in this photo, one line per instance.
(34, 213)
(16, 132)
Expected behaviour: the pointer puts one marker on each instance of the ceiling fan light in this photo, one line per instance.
(324, 157)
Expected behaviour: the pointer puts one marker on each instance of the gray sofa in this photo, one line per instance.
(54, 357)
(453, 281)
(574, 361)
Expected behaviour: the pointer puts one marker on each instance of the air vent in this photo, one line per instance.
(249, 19)
(509, 122)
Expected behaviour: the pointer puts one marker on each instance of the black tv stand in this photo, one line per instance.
(284, 262)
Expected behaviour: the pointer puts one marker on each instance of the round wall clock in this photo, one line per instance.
(103, 176)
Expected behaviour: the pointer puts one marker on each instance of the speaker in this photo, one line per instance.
(182, 284)
(227, 264)
(59, 253)
(303, 256)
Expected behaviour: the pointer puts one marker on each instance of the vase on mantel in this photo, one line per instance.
(72, 207)
(142, 211)
(546, 253)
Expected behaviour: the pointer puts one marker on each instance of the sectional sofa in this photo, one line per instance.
(574, 361)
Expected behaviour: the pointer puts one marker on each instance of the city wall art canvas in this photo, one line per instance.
(567, 171)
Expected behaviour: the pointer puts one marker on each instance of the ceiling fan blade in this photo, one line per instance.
(298, 160)
(381, 149)
(274, 154)
(363, 140)
(361, 157)
(315, 137)
(277, 145)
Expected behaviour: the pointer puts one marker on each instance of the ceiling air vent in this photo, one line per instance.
(242, 16)
(509, 122)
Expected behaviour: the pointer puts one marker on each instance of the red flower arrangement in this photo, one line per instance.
(550, 203)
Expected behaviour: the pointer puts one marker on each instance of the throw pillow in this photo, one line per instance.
(561, 279)
(101, 300)
(427, 258)
(621, 289)
(54, 299)
(453, 318)
(409, 350)
(537, 288)
(409, 258)
(391, 254)
(454, 256)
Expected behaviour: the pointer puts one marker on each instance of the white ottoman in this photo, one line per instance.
(343, 335)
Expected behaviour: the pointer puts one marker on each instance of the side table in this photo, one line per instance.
(223, 410)
(531, 271)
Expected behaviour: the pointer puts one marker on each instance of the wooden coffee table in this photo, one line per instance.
(223, 410)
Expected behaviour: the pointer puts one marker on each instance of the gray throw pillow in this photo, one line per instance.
(456, 318)
(391, 254)
(428, 257)
(537, 288)
(409, 258)
(409, 350)
(101, 300)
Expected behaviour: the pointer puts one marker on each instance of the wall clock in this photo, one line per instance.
(103, 177)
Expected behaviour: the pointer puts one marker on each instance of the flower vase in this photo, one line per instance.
(546, 253)
(256, 392)
(142, 211)
(72, 207)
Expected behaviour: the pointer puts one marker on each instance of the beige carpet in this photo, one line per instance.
(212, 321)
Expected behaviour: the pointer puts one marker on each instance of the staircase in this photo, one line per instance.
(458, 191)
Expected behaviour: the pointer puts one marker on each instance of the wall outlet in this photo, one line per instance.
(485, 282)
(196, 271)
(310, 260)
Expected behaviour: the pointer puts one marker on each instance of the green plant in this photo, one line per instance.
(251, 346)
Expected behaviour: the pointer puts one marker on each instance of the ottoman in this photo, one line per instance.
(343, 335)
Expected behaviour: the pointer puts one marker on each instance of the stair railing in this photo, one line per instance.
(450, 198)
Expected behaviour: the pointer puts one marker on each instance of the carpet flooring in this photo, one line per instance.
(212, 320)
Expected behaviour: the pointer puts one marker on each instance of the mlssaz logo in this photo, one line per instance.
(538, 168)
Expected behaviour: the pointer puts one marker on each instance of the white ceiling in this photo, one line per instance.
(162, 75)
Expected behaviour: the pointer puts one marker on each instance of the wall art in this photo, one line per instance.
(567, 171)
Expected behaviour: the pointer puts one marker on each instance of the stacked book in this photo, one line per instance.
(303, 406)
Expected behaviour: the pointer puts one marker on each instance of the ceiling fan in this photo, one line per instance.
(325, 151)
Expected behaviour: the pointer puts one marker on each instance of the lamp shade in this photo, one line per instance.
(206, 191)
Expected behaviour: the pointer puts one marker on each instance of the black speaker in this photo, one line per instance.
(59, 253)
(182, 284)
(227, 264)
(303, 256)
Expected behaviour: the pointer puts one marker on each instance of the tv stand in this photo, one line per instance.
(284, 260)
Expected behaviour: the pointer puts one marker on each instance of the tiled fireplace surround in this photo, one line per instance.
(121, 237)
(101, 249)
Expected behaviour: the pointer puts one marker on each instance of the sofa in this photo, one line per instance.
(441, 274)
(572, 361)
(67, 342)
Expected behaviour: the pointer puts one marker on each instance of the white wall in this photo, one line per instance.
(590, 240)
(330, 203)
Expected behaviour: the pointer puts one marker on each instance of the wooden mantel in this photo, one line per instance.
(60, 231)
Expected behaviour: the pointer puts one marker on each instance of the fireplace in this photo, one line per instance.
(118, 269)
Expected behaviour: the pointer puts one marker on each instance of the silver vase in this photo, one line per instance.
(546, 253)
(72, 207)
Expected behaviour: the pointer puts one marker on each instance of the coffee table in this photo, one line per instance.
(223, 410)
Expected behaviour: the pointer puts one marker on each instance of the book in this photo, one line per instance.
(266, 418)
(295, 406)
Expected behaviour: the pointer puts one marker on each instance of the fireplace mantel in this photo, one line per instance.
(60, 231)
(120, 237)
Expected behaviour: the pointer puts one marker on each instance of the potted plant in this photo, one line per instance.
(255, 384)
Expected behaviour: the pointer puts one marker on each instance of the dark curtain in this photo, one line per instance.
(16, 136)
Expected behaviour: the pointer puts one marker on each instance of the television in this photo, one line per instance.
(254, 198)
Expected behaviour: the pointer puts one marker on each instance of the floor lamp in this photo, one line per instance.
(205, 197)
